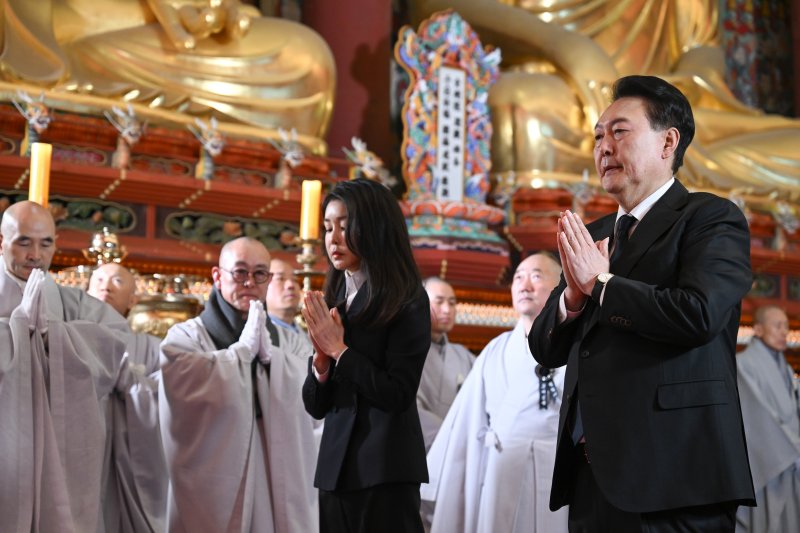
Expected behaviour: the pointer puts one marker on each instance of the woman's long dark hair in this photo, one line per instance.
(376, 232)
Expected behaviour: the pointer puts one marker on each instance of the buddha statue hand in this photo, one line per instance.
(186, 22)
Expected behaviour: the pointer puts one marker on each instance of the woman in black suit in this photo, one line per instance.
(371, 333)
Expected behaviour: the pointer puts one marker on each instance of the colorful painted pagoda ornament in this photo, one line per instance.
(447, 134)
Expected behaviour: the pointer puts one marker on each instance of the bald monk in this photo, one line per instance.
(135, 493)
(115, 285)
(239, 445)
(447, 364)
(60, 352)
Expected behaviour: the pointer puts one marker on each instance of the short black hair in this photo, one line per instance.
(376, 232)
(666, 107)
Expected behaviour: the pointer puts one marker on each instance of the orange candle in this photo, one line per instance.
(39, 188)
(309, 209)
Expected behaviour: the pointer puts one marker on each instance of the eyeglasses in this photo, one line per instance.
(241, 275)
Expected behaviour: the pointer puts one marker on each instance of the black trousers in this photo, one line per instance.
(590, 512)
(390, 508)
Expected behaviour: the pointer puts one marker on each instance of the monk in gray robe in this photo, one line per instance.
(491, 465)
(135, 493)
(239, 446)
(768, 391)
(60, 352)
(447, 364)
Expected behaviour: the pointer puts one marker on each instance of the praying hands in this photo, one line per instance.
(581, 258)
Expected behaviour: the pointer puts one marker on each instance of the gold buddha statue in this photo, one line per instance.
(560, 59)
(197, 57)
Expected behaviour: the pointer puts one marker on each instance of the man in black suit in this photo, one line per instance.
(645, 318)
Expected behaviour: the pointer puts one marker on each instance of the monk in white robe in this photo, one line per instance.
(447, 364)
(60, 352)
(135, 493)
(491, 464)
(768, 391)
(238, 443)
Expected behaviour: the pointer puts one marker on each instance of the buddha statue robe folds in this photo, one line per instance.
(197, 57)
(561, 58)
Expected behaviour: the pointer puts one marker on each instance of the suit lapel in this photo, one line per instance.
(604, 227)
(661, 217)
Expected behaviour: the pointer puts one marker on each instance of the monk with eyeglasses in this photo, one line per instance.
(238, 443)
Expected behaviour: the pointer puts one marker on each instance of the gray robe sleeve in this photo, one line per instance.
(52, 387)
(136, 493)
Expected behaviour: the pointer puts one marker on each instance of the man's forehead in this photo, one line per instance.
(534, 263)
(112, 270)
(615, 121)
(277, 265)
(622, 110)
(775, 315)
(528, 270)
(245, 263)
(245, 253)
(32, 227)
(31, 235)
(443, 295)
(440, 288)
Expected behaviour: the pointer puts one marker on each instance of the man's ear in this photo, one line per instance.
(215, 274)
(671, 140)
(758, 330)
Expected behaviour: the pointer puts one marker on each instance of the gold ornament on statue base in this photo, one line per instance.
(173, 60)
(105, 248)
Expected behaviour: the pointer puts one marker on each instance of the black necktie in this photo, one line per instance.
(620, 239)
(621, 236)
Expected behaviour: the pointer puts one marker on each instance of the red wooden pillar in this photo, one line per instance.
(358, 33)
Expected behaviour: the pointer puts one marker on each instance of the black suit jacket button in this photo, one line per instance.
(585, 354)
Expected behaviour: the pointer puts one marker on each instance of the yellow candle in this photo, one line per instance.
(309, 209)
(39, 188)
